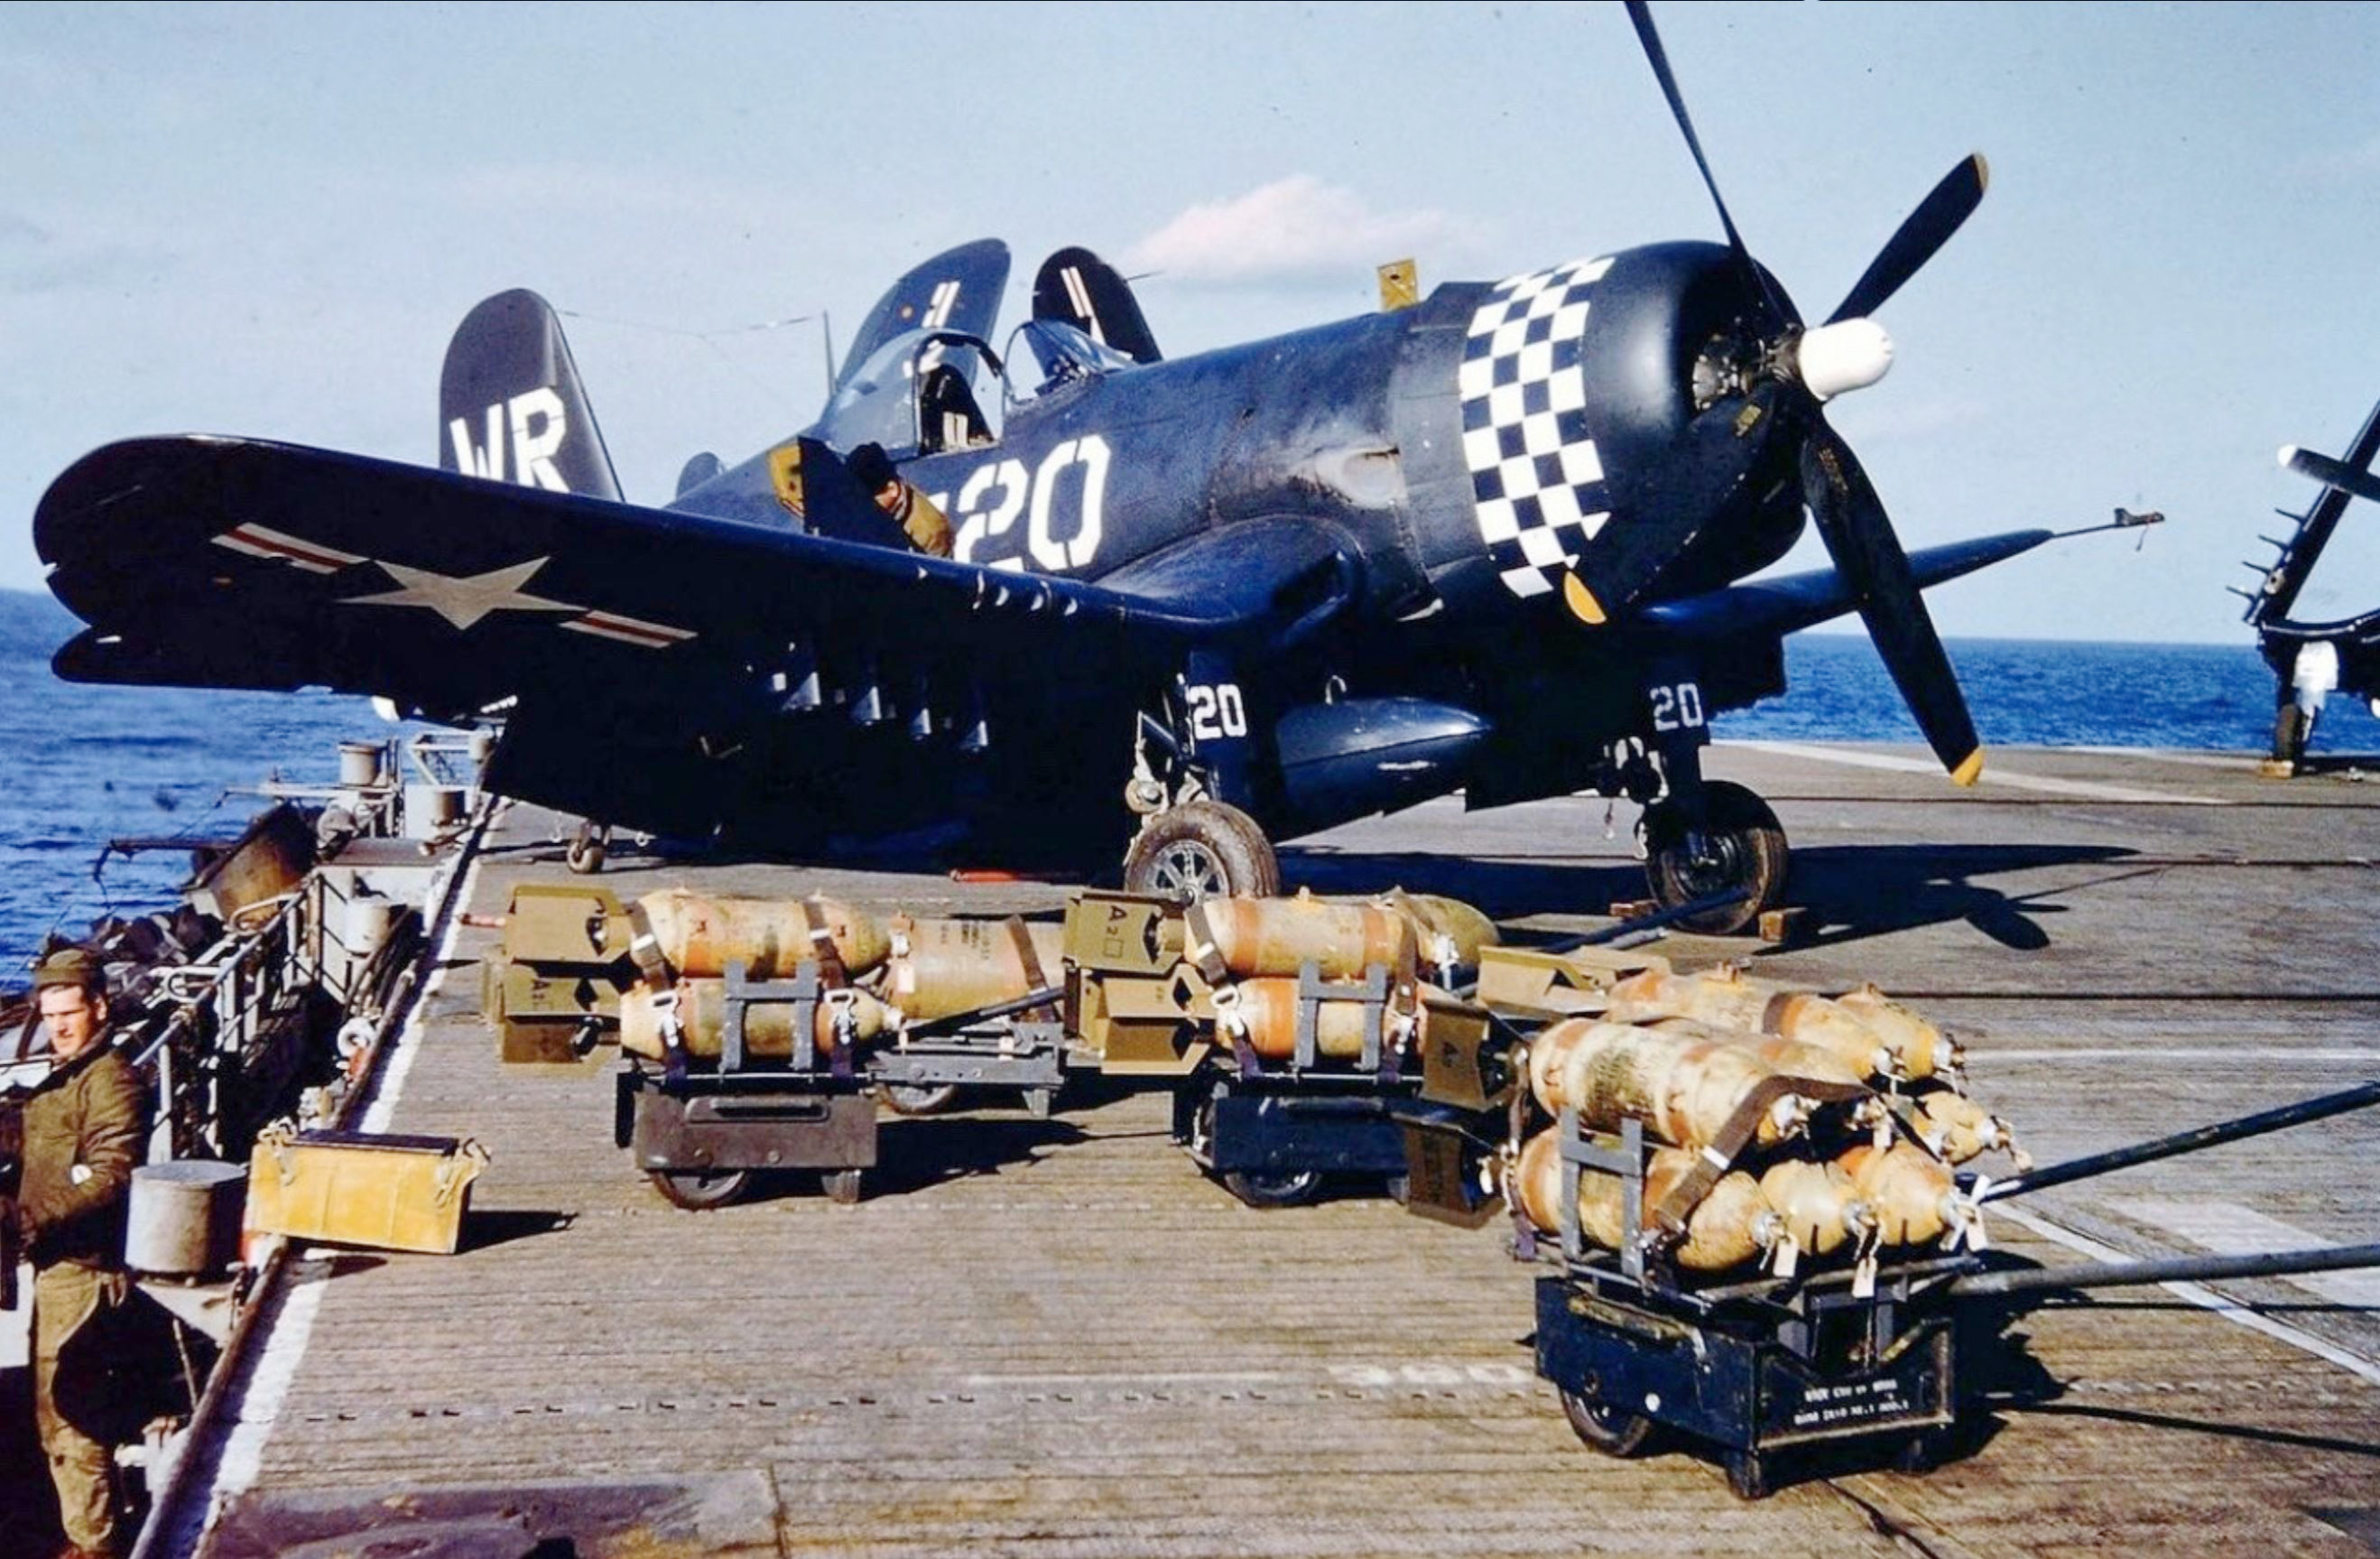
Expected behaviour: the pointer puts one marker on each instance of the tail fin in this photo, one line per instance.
(1077, 288)
(510, 406)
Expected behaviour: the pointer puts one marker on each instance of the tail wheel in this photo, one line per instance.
(588, 848)
(1200, 850)
(1743, 846)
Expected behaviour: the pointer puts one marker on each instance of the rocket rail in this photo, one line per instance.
(2181, 1142)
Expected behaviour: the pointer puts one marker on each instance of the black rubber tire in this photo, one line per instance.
(1747, 850)
(842, 1186)
(918, 1098)
(1202, 849)
(699, 1190)
(1611, 1429)
(1292, 1189)
(2290, 731)
(1747, 1475)
(585, 853)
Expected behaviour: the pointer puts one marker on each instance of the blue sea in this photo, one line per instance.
(92, 764)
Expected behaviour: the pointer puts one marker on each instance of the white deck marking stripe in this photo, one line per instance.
(2205, 1299)
(1994, 776)
(2229, 1229)
(260, 1405)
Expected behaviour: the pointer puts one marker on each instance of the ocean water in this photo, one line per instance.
(91, 764)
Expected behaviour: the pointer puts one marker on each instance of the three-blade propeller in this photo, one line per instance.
(1850, 518)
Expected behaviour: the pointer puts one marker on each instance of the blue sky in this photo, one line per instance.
(267, 219)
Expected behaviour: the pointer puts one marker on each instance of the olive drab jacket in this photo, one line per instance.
(85, 1116)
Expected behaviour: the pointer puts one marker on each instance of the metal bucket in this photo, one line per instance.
(369, 918)
(358, 764)
(430, 809)
(184, 1218)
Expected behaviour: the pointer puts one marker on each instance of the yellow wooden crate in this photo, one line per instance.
(353, 1188)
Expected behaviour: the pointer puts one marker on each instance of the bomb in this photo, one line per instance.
(1685, 1088)
(1957, 1128)
(1875, 1037)
(1730, 1228)
(1268, 1015)
(940, 968)
(1819, 1204)
(1913, 1193)
(768, 1026)
(1448, 931)
(700, 934)
(1258, 938)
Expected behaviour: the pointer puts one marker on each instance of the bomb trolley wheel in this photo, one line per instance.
(1605, 1426)
(1276, 1188)
(698, 1190)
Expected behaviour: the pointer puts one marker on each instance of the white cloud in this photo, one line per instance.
(1295, 229)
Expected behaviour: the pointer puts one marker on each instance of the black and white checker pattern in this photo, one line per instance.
(1535, 479)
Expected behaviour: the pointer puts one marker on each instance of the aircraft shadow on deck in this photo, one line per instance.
(1851, 890)
(1858, 891)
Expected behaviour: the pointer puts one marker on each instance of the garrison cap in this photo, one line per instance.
(68, 966)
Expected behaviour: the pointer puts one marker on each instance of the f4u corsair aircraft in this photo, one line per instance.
(1491, 541)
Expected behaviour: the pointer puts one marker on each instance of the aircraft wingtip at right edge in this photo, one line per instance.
(1970, 770)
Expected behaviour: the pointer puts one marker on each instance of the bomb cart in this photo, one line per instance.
(781, 1059)
(1799, 1353)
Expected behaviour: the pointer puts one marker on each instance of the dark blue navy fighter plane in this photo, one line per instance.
(1489, 543)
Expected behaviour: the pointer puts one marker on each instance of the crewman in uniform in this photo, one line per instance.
(927, 530)
(82, 1132)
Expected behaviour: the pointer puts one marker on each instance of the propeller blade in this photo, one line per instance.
(1641, 15)
(1923, 232)
(2332, 474)
(1692, 488)
(1853, 524)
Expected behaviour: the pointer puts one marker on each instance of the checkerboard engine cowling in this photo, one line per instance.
(1536, 481)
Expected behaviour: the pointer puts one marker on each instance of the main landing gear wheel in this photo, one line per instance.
(1611, 1429)
(1742, 848)
(699, 1190)
(842, 1187)
(586, 850)
(2292, 730)
(1278, 1188)
(1200, 850)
